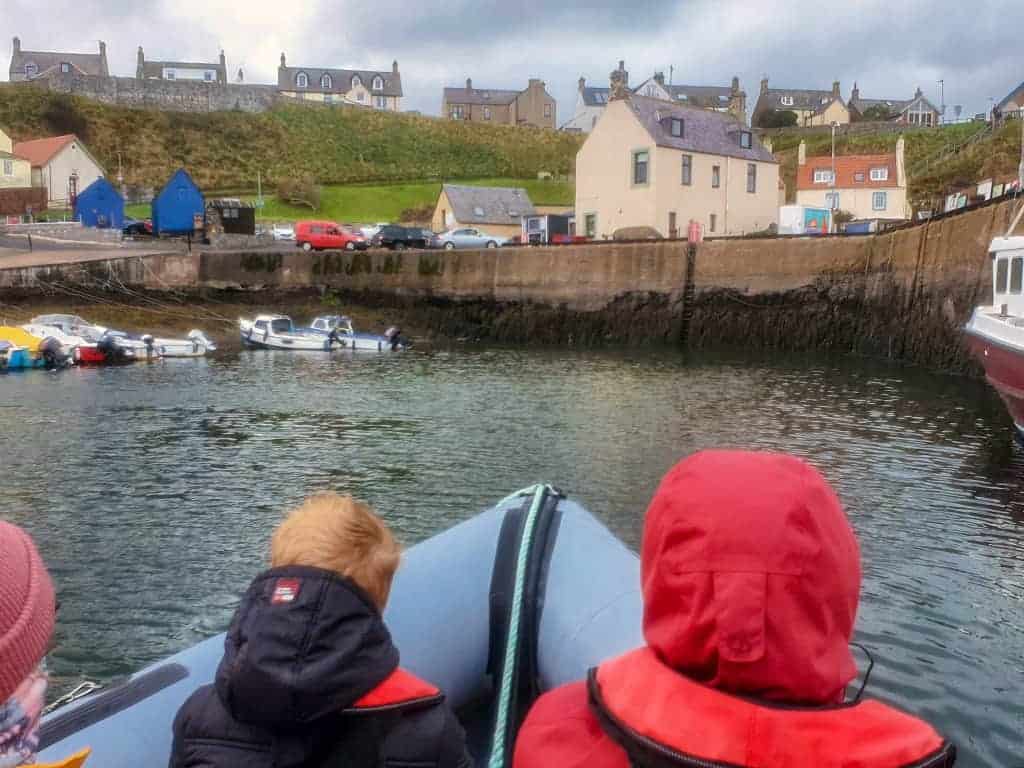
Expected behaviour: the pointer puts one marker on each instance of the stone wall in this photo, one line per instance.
(16, 201)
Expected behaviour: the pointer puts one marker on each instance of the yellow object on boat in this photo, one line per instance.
(20, 338)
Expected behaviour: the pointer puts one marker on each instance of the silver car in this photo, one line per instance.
(469, 238)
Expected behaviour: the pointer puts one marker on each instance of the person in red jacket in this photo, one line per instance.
(751, 576)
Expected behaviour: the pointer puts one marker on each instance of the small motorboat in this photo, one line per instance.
(452, 615)
(195, 344)
(121, 347)
(341, 327)
(38, 351)
(69, 344)
(279, 332)
(995, 332)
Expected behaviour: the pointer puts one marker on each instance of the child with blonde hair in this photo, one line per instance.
(310, 676)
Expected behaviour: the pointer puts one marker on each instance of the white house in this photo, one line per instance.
(62, 164)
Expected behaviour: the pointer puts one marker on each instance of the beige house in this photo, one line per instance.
(196, 71)
(28, 65)
(867, 186)
(811, 107)
(15, 172)
(531, 106)
(62, 164)
(495, 210)
(362, 87)
(658, 164)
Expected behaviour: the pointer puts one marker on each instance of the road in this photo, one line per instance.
(14, 252)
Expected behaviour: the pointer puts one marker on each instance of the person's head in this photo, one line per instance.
(751, 577)
(26, 608)
(339, 534)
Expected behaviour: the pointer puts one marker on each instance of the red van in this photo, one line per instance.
(324, 235)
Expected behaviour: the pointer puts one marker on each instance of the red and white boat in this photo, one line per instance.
(995, 333)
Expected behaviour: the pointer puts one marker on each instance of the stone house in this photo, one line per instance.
(208, 72)
(650, 163)
(917, 111)
(867, 186)
(15, 171)
(1012, 105)
(495, 210)
(28, 65)
(811, 107)
(62, 164)
(378, 89)
(530, 106)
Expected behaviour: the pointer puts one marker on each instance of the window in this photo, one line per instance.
(745, 139)
(356, 81)
(676, 127)
(687, 170)
(8, 167)
(361, 96)
(650, 90)
(208, 76)
(786, 101)
(302, 80)
(590, 225)
(65, 67)
(1016, 274)
(822, 176)
(487, 113)
(378, 83)
(878, 201)
(716, 176)
(712, 222)
(325, 82)
(641, 161)
(832, 200)
(547, 110)
(169, 74)
(879, 174)
(381, 102)
(1001, 271)
(31, 69)
(456, 112)
(751, 178)
(859, 177)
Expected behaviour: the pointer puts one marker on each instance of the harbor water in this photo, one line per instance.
(152, 489)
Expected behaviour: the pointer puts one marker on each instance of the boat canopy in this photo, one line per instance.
(1008, 274)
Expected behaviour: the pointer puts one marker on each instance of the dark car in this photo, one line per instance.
(399, 238)
(135, 228)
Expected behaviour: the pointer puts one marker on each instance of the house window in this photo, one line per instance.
(590, 225)
(832, 200)
(1001, 270)
(716, 176)
(31, 69)
(650, 90)
(787, 101)
(641, 161)
(822, 176)
(65, 67)
(360, 96)
(879, 174)
(547, 110)
(356, 81)
(378, 83)
(381, 102)
(302, 80)
(687, 170)
(878, 201)
(859, 177)
(745, 140)
(487, 113)
(325, 82)
(712, 222)
(169, 74)
(751, 178)
(208, 76)
(1016, 274)
(456, 112)
(676, 127)
(8, 167)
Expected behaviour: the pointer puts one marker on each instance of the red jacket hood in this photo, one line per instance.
(751, 575)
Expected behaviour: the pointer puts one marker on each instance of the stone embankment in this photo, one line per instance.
(904, 294)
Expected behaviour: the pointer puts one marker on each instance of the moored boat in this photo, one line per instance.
(118, 346)
(995, 332)
(341, 326)
(279, 332)
(195, 344)
(40, 351)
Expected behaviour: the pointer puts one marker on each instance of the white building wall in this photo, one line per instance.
(56, 173)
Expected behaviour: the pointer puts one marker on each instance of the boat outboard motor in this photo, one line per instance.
(147, 339)
(114, 352)
(394, 336)
(200, 339)
(53, 353)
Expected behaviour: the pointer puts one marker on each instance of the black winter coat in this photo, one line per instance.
(310, 678)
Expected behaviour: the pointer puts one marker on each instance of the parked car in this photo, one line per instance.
(283, 232)
(399, 238)
(429, 237)
(327, 235)
(370, 230)
(469, 238)
(134, 227)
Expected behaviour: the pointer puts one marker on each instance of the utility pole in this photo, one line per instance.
(671, 70)
(942, 101)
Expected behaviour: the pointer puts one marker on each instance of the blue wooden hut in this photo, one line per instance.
(179, 208)
(100, 205)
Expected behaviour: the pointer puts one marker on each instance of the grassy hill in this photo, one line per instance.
(224, 150)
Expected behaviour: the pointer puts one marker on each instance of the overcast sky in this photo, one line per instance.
(888, 47)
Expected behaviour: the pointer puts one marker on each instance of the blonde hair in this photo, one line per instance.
(339, 534)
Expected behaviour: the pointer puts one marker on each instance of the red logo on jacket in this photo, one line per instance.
(285, 591)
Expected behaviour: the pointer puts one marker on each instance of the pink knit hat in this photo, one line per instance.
(26, 608)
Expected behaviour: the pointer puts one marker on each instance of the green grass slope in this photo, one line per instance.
(225, 150)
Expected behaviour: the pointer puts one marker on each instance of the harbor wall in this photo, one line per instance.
(903, 294)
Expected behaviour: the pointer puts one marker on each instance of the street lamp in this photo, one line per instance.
(942, 101)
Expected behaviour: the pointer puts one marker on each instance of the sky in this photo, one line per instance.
(889, 48)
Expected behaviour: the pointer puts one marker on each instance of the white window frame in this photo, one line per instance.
(208, 76)
(687, 170)
(752, 178)
(65, 67)
(880, 174)
(832, 201)
(634, 165)
(380, 102)
(716, 176)
(302, 80)
(487, 113)
(746, 139)
(8, 167)
(326, 81)
(31, 69)
(378, 83)
(169, 74)
(673, 122)
(786, 101)
(875, 197)
(547, 110)
(356, 81)
(822, 175)
(590, 225)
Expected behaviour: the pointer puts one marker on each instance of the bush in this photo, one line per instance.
(877, 113)
(301, 190)
(777, 119)
(62, 116)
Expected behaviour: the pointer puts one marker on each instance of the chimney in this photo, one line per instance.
(394, 67)
(835, 89)
(735, 84)
(283, 65)
(103, 59)
(469, 84)
(241, 75)
(764, 85)
(801, 153)
(738, 102)
(619, 82)
(583, 83)
(623, 72)
(140, 64)
(223, 63)
(918, 94)
(855, 93)
(901, 166)
(17, 44)
(659, 78)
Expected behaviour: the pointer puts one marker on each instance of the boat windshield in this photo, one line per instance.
(281, 325)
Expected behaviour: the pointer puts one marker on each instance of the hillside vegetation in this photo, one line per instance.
(225, 150)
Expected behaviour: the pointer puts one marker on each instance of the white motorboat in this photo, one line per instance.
(341, 327)
(279, 332)
(141, 347)
(69, 344)
(196, 344)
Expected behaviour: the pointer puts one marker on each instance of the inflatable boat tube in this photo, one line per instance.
(563, 598)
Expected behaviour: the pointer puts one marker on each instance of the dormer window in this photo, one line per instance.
(65, 67)
(786, 101)
(676, 127)
(879, 174)
(302, 80)
(325, 82)
(822, 176)
(356, 81)
(745, 139)
(378, 83)
(31, 70)
(824, 99)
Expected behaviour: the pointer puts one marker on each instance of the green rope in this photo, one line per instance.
(497, 759)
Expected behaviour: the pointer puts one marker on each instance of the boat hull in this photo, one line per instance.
(1004, 370)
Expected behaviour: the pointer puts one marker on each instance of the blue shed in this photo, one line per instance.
(179, 208)
(100, 205)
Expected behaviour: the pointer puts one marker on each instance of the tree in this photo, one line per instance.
(877, 113)
(775, 118)
(299, 190)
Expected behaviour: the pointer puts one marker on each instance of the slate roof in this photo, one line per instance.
(1016, 92)
(713, 133)
(803, 99)
(896, 107)
(479, 96)
(707, 96)
(488, 205)
(341, 80)
(847, 168)
(595, 97)
(156, 68)
(40, 151)
(50, 61)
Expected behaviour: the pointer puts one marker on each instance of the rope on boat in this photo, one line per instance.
(508, 669)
